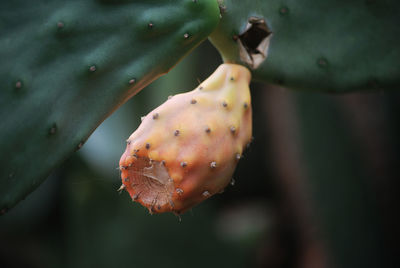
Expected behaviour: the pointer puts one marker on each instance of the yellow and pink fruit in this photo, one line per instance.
(186, 150)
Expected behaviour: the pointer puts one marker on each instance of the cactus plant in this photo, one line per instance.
(66, 65)
(335, 46)
(186, 149)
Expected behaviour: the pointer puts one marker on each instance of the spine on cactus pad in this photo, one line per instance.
(186, 150)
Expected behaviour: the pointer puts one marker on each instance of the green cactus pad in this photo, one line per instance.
(335, 46)
(66, 65)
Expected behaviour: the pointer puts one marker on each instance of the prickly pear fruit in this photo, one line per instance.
(186, 150)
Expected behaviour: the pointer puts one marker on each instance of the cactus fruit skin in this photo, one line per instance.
(186, 150)
(66, 65)
(326, 46)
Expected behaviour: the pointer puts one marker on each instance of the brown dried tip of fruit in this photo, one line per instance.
(149, 184)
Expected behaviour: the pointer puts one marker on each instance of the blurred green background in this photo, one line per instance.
(317, 188)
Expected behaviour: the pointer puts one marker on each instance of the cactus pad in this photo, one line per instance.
(337, 46)
(66, 65)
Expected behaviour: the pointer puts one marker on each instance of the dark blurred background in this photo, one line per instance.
(316, 189)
